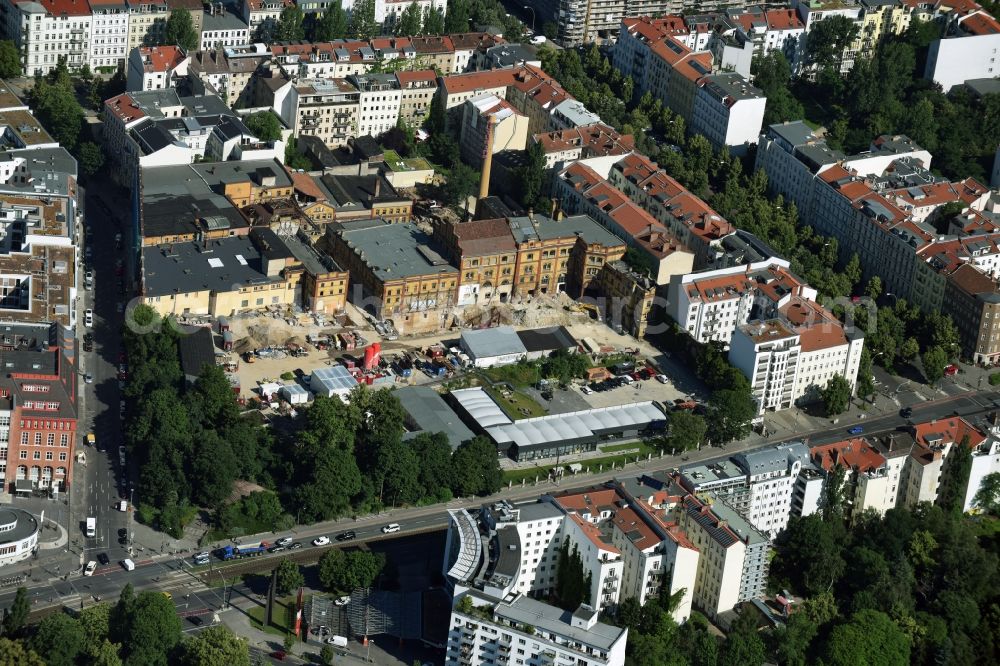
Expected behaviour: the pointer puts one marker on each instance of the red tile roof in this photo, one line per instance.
(484, 237)
(635, 529)
(856, 454)
(407, 79)
(124, 108)
(305, 184)
(594, 534)
(460, 83)
(63, 7)
(161, 58)
(592, 502)
(980, 23)
(947, 431)
(593, 140)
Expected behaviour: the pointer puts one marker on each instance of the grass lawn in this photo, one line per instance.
(516, 374)
(282, 617)
(517, 402)
(641, 447)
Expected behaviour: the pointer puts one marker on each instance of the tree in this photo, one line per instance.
(343, 571)
(461, 183)
(180, 30)
(294, 159)
(572, 588)
(550, 29)
(289, 578)
(363, 24)
(827, 41)
(216, 646)
(743, 646)
(909, 349)
(434, 453)
(458, 17)
(289, 27)
(987, 498)
(532, 177)
(934, 361)
(772, 74)
(730, 412)
(476, 468)
(58, 110)
(832, 499)
(15, 653)
(10, 60)
(792, 640)
(951, 498)
(332, 25)
(809, 554)
(59, 640)
(91, 158)
(265, 125)
(686, 430)
(95, 621)
(105, 653)
(326, 655)
(869, 637)
(433, 22)
(17, 615)
(874, 289)
(397, 473)
(866, 380)
(331, 484)
(696, 641)
(836, 395)
(152, 630)
(410, 21)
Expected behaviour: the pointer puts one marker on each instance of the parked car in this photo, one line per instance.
(295, 546)
(275, 549)
(586, 390)
(88, 318)
(284, 541)
(103, 558)
(91, 568)
(321, 541)
(951, 370)
(346, 536)
(662, 379)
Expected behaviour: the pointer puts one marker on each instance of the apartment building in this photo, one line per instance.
(587, 142)
(733, 558)
(790, 359)
(693, 222)
(229, 72)
(38, 262)
(261, 16)
(871, 481)
(147, 21)
(46, 31)
(156, 67)
(628, 298)
(399, 270)
(38, 414)
(123, 113)
(416, 94)
(109, 34)
(328, 109)
(758, 484)
(486, 256)
(968, 50)
(458, 88)
(483, 630)
(220, 27)
(379, 103)
(927, 470)
(490, 125)
(560, 254)
(723, 106)
(347, 198)
(710, 305)
(581, 190)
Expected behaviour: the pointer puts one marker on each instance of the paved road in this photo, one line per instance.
(175, 573)
(104, 482)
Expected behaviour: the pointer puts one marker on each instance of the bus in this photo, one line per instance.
(91, 527)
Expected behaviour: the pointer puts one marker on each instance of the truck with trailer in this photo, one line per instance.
(244, 550)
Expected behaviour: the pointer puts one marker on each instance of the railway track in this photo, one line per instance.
(265, 563)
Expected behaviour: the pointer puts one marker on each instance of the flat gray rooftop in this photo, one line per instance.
(525, 610)
(220, 265)
(395, 251)
(431, 414)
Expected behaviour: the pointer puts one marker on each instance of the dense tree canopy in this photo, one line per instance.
(180, 30)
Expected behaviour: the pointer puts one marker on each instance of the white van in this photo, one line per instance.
(91, 527)
(128, 564)
(91, 568)
(390, 528)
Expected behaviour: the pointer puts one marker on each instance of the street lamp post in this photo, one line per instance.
(532, 10)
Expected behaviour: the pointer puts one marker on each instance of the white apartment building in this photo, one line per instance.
(967, 51)
(602, 560)
(710, 305)
(758, 484)
(46, 30)
(728, 111)
(109, 34)
(790, 359)
(261, 16)
(814, 11)
(870, 481)
(325, 108)
(221, 27)
(229, 73)
(387, 12)
(523, 630)
(379, 103)
(155, 67)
